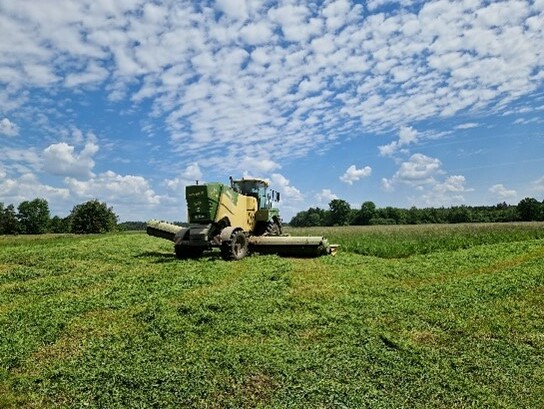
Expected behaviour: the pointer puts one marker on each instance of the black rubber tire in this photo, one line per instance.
(236, 248)
(273, 228)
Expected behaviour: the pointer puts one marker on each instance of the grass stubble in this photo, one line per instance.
(435, 316)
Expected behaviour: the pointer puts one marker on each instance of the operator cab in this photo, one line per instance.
(258, 189)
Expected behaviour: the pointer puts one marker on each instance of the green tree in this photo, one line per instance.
(33, 216)
(394, 215)
(459, 214)
(8, 221)
(93, 217)
(529, 209)
(365, 214)
(299, 219)
(60, 225)
(340, 212)
(413, 215)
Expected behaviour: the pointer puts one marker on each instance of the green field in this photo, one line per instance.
(402, 317)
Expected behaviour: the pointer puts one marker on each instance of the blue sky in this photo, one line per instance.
(404, 103)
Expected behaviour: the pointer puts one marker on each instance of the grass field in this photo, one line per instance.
(402, 317)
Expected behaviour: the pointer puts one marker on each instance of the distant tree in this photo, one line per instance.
(8, 220)
(458, 214)
(365, 214)
(529, 209)
(413, 215)
(10, 223)
(60, 225)
(317, 216)
(340, 212)
(375, 221)
(313, 219)
(93, 217)
(299, 219)
(33, 216)
(393, 214)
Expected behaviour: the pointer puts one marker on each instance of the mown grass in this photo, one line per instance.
(115, 321)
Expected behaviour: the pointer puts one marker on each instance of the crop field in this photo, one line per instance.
(402, 317)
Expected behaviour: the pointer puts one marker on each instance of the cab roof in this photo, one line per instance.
(264, 182)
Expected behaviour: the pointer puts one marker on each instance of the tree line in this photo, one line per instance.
(33, 217)
(340, 213)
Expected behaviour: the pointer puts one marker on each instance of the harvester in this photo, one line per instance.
(238, 219)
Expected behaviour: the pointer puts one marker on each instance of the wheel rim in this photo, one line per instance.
(239, 244)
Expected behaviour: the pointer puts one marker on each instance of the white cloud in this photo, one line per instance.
(449, 192)
(8, 128)
(61, 159)
(418, 170)
(256, 33)
(407, 136)
(114, 189)
(282, 184)
(93, 74)
(28, 187)
(467, 125)
(366, 70)
(451, 184)
(233, 8)
(189, 176)
(425, 175)
(27, 160)
(353, 174)
(295, 22)
(336, 13)
(538, 185)
(256, 165)
(502, 192)
(388, 185)
(325, 196)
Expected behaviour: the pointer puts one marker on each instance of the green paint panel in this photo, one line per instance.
(202, 202)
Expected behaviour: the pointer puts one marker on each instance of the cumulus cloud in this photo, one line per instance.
(29, 187)
(449, 192)
(189, 176)
(114, 188)
(8, 128)
(500, 191)
(282, 184)
(407, 136)
(325, 196)
(425, 175)
(61, 159)
(25, 160)
(418, 170)
(353, 174)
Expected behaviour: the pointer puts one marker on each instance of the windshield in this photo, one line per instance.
(256, 189)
